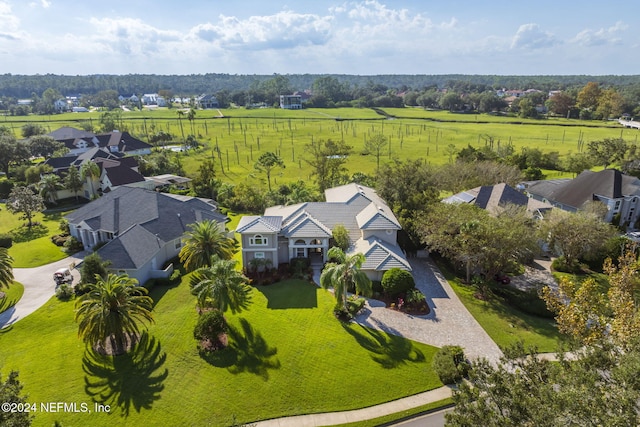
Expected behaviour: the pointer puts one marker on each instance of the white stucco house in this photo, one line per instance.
(141, 230)
(305, 230)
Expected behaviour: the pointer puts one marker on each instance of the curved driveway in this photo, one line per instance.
(448, 323)
(39, 287)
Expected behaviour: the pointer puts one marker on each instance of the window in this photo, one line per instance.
(258, 240)
(258, 255)
(178, 244)
(316, 242)
(301, 252)
(300, 242)
(617, 206)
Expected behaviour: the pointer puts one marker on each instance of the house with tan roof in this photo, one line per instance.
(305, 230)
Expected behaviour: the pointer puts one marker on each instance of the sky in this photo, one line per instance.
(365, 37)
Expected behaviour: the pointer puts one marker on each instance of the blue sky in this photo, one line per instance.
(315, 36)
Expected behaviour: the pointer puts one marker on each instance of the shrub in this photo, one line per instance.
(397, 281)
(299, 266)
(560, 264)
(175, 276)
(341, 237)
(6, 240)
(72, 245)
(355, 304)
(414, 296)
(450, 364)
(64, 292)
(210, 326)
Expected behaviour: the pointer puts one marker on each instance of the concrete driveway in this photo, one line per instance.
(448, 323)
(39, 287)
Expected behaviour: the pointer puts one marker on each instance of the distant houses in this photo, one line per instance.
(79, 141)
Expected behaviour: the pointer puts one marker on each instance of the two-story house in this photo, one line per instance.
(306, 229)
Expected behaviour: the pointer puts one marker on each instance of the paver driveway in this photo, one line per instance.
(448, 323)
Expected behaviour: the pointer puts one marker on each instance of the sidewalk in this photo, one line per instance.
(333, 418)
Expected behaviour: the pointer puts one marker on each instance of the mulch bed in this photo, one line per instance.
(421, 309)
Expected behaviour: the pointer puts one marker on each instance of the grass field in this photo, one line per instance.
(32, 248)
(236, 141)
(288, 355)
(13, 293)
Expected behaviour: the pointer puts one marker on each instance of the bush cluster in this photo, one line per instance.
(450, 364)
(64, 292)
(396, 282)
(6, 240)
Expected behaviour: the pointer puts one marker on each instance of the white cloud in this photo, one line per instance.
(45, 4)
(9, 23)
(531, 36)
(602, 36)
(282, 30)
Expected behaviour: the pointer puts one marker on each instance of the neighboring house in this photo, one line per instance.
(141, 230)
(620, 193)
(115, 171)
(494, 198)
(207, 101)
(78, 142)
(291, 102)
(305, 230)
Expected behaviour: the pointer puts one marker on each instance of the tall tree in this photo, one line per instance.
(589, 95)
(44, 146)
(23, 200)
(221, 286)
(111, 312)
(205, 183)
(575, 235)
(181, 115)
(11, 393)
(205, 239)
(11, 151)
(344, 273)
(73, 181)
(327, 160)
(90, 171)
(6, 269)
(375, 145)
(267, 162)
(607, 151)
(48, 187)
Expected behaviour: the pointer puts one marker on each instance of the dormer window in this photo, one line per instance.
(258, 240)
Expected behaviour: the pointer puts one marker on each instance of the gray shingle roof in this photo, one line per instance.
(380, 255)
(135, 211)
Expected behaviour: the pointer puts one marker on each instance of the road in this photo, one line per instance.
(433, 419)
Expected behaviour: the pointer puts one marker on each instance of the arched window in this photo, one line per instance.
(300, 242)
(258, 240)
(316, 242)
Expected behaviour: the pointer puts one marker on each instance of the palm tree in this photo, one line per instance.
(111, 312)
(73, 181)
(206, 239)
(221, 286)
(48, 186)
(343, 274)
(6, 271)
(91, 171)
(180, 116)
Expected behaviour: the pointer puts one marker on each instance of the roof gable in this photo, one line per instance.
(380, 256)
(375, 218)
(259, 224)
(305, 225)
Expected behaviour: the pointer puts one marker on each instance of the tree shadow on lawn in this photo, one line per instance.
(389, 350)
(290, 294)
(247, 352)
(24, 234)
(130, 379)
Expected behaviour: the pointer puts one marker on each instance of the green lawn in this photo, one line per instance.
(288, 355)
(32, 248)
(504, 324)
(13, 293)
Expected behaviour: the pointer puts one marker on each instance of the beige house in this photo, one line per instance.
(304, 230)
